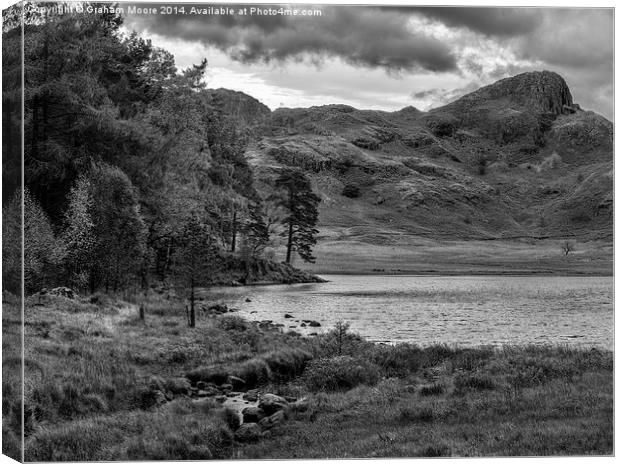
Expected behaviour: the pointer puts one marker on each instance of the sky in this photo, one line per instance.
(386, 58)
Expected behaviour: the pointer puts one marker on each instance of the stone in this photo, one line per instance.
(247, 300)
(271, 403)
(314, 324)
(252, 414)
(220, 399)
(251, 395)
(178, 385)
(275, 419)
(226, 386)
(288, 316)
(218, 308)
(212, 391)
(248, 432)
(237, 382)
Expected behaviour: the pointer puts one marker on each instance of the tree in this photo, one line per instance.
(78, 238)
(567, 247)
(194, 258)
(104, 239)
(301, 206)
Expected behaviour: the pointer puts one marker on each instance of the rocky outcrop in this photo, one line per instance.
(539, 92)
(238, 105)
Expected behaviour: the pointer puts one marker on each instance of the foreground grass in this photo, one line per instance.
(91, 366)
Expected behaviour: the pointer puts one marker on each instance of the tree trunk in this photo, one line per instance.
(289, 245)
(192, 308)
(233, 241)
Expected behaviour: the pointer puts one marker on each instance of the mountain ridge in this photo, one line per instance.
(514, 159)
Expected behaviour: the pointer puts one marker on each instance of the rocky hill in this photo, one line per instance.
(242, 107)
(516, 160)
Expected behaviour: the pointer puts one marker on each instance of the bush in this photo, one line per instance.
(254, 372)
(416, 414)
(433, 389)
(339, 373)
(465, 382)
(351, 191)
(233, 323)
(397, 360)
(287, 363)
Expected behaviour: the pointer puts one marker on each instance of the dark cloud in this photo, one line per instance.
(502, 22)
(360, 36)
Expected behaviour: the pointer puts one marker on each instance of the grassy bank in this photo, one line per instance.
(344, 252)
(104, 385)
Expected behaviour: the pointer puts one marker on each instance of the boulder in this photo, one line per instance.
(288, 316)
(178, 386)
(275, 419)
(248, 432)
(226, 387)
(217, 309)
(252, 414)
(314, 324)
(247, 300)
(251, 395)
(237, 382)
(271, 403)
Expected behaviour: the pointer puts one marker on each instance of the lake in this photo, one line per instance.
(462, 310)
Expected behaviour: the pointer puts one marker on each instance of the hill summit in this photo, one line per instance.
(538, 91)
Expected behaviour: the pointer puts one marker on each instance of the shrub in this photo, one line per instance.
(416, 414)
(351, 191)
(397, 360)
(254, 372)
(339, 373)
(432, 389)
(287, 363)
(233, 323)
(464, 382)
(213, 374)
(434, 451)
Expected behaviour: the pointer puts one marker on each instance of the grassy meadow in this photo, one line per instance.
(101, 384)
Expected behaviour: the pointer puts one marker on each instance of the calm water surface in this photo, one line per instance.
(463, 310)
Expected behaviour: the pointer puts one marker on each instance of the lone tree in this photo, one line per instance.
(195, 258)
(301, 216)
(567, 247)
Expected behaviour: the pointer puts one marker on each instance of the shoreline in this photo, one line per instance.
(438, 273)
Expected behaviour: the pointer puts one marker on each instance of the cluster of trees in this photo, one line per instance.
(129, 173)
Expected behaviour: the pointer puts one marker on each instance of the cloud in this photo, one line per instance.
(362, 37)
(501, 22)
(571, 37)
(440, 96)
(343, 54)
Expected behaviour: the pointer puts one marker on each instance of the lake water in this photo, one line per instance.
(463, 310)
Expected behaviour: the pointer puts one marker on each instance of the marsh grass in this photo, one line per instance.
(90, 371)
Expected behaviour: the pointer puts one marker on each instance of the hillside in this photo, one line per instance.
(516, 161)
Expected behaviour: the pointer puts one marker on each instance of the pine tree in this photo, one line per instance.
(302, 214)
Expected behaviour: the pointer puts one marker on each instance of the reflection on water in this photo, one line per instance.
(466, 310)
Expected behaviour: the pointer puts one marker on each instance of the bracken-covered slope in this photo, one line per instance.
(513, 160)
